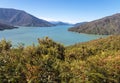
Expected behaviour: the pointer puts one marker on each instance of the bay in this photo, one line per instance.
(29, 35)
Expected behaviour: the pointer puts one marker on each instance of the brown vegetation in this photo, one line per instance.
(96, 61)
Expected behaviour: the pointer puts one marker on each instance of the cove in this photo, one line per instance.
(29, 35)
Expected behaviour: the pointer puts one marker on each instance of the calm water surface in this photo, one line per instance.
(29, 35)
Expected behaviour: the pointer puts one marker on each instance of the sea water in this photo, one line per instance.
(60, 34)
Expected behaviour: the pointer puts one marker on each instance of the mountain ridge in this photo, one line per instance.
(17, 17)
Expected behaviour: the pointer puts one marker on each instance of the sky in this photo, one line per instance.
(72, 11)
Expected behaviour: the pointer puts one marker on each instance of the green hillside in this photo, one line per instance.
(109, 25)
(96, 61)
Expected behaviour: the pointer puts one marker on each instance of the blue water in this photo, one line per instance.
(29, 35)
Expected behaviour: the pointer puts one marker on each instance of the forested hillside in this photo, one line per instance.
(105, 26)
(96, 61)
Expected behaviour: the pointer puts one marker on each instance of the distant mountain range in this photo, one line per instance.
(81, 23)
(21, 18)
(4, 26)
(60, 23)
(105, 26)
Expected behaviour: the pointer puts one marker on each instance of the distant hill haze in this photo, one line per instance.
(21, 18)
(60, 23)
(4, 26)
(105, 26)
(81, 23)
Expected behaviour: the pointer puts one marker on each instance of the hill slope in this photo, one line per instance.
(105, 26)
(95, 47)
(21, 18)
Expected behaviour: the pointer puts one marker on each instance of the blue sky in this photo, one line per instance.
(72, 11)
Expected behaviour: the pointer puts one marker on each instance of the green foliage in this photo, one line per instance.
(105, 69)
(96, 61)
(31, 63)
(4, 45)
(94, 47)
